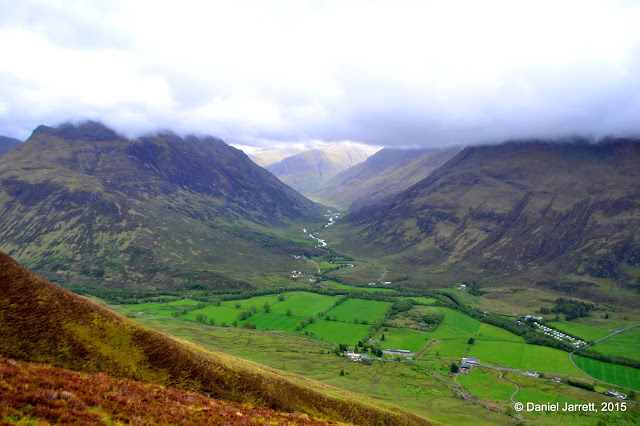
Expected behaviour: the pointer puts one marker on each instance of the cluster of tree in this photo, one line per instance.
(305, 323)
(473, 288)
(581, 385)
(614, 359)
(185, 309)
(246, 314)
(571, 308)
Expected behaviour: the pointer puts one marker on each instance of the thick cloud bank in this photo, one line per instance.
(379, 72)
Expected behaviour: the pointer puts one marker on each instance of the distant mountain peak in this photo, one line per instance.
(90, 131)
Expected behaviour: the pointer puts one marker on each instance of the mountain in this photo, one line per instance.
(267, 157)
(309, 169)
(386, 173)
(7, 143)
(42, 322)
(559, 216)
(81, 203)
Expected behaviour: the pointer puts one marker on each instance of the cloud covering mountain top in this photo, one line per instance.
(383, 73)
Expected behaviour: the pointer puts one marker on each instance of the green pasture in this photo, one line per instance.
(257, 301)
(448, 349)
(272, 321)
(486, 384)
(620, 375)
(303, 304)
(625, 344)
(222, 314)
(491, 332)
(454, 324)
(338, 332)
(159, 308)
(369, 310)
(357, 288)
(402, 338)
(584, 332)
(523, 356)
(423, 300)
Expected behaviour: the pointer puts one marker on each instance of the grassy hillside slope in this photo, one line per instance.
(40, 394)
(548, 213)
(41, 322)
(83, 204)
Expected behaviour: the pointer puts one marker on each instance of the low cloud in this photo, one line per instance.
(381, 73)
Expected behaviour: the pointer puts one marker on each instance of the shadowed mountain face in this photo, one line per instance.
(7, 143)
(84, 201)
(42, 322)
(543, 211)
(384, 174)
(308, 170)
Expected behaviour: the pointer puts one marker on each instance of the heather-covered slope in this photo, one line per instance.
(33, 392)
(547, 213)
(384, 174)
(41, 322)
(83, 204)
(308, 170)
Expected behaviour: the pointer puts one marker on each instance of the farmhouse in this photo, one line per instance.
(462, 287)
(471, 360)
(531, 374)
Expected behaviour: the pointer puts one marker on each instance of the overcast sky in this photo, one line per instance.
(379, 72)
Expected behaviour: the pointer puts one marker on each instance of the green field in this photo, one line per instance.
(455, 324)
(221, 314)
(424, 300)
(524, 357)
(485, 383)
(620, 375)
(584, 332)
(257, 301)
(369, 310)
(625, 344)
(159, 308)
(336, 331)
(448, 349)
(402, 338)
(271, 321)
(358, 288)
(303, 304)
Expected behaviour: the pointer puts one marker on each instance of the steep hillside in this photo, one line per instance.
(559, 215)
(41, 322)
(159, 211)
(384, 174)
(308, 170)
(7, 143)
(33, 392)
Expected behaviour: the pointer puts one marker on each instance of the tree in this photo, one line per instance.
(281, 297)
(379, 353)
(248, 324)
(454, 368)
(266, 308)
(382, 338)
(212, 321)
(237, 305)
(356, 320)
(342, 372)
(289, 312)
(201, 318)
(471, 341)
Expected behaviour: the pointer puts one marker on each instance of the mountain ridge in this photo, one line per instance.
(525, 209)
(153, 211)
